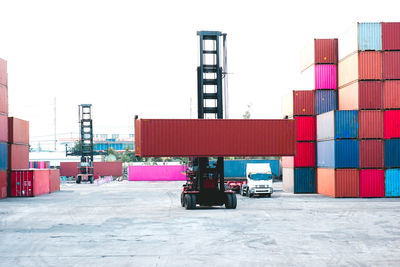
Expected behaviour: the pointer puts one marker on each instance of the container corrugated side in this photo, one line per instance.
(107, 168)
(391, 94)
(346, 124)
(390, 36)
(391, 65)
(303, 103)
(361, 95)
(370, 124)
(305, 156)
(3, 184)
(3, 99)
(3, 128)
(3, 72)
(347, 183)
(306, 128)
(392, 183)
(326, 154)
(326, 181)
(3, 156)
(54, 180)
(215, 137)
(28, 183)
(371, 154)
(372, 183)
(325, 76)
(18, 157)
(392, 124)
(342, 153)
(18, 131)
(348, 70)
(288, 179)
(325, 126)
(319, 51)
(325, 101)
(287, 105)
(392, 152)
(68, 168)
(304, 180)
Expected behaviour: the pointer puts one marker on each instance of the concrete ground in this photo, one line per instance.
(143, 224)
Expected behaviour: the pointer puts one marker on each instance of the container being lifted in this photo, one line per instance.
(210, 135)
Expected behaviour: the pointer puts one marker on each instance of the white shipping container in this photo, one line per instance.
(307, 56)
(326, 126)
(288, 179)
(348, 70)
(287, 105)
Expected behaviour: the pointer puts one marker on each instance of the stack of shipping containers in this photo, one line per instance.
(3, 128)
(319, 81)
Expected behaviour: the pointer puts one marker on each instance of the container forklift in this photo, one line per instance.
(205, 183)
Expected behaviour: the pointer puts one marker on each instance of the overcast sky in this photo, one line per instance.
(140, 57)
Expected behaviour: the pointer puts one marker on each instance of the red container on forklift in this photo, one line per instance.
(69, 168)
(29, 183)
(107, 168)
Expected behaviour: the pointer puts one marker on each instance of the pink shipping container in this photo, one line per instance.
(3, 128)
(372, 183)
(18, 131)
(391, 94)
(3, 99)
(3, 184)
(392, 124)
(68, 168)
(215, 138)
(18, 157)
(370, 123)
(391, 65)
(325, 76)
(287, 162)
(107, 168)
(371, 154)
(306, 128)
(361, 95)
(3, 72)
(157, 173)
(390, 35)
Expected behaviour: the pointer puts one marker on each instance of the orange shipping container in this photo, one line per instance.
(391, 94)
(360, 66)
(338, 182)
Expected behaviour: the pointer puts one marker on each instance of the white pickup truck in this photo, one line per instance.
(259, 180)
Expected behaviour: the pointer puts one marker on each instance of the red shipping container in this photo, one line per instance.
(371, 154)
(391, 94)
(107, 168)
(303, 103)
(29, 183)
(18, 157)
(3, 184)
(372, 183)
(3, 72)
(54, 180)
(305, 155)
(68, 168)
(326, 51)
(391, 65)
(392, 124)
(338, 182)
(390, 35)
(18, 131)
(306, 128)
(214, 138)
(3, 128)
(370, 95)
(3, 99)
(370, 123)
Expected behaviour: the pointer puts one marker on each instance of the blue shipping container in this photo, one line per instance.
(369, 36)
(325, 100)
(342, 153)
(3, 156)
(346, 124)
(392, 183)
(304, 180)
(392, 153)
(237, 168)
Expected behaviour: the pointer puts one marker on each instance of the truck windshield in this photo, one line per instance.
(260, 176)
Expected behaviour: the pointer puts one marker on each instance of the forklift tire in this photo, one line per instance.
(91, 179)
(78, 180)
(234, 201)
(229, 201)
(182, 199)
(194, 199)
(188, 201)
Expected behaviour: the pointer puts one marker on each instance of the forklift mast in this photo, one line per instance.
(86, 132)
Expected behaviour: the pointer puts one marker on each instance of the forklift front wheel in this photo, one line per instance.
(182, 199)
(78, 180)
(91, 179)
(189, 199)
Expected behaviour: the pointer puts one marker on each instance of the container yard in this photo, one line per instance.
(133, 149)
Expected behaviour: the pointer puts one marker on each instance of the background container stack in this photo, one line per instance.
(319, 79)
(18, 144)
(391, 106)
(39, 164)
(3, 128)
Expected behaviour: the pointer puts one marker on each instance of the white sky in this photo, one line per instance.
(140, 57)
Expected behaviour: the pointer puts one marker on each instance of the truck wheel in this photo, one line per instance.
(78, 180)
(234, 201)
(188, 201)
(182, 199)
(268, 195)
(229, 201)
(248, 193)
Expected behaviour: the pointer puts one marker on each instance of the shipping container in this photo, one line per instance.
(3, 156)
(392, 152)
(361, 95)
(3, 72)
(319, 51)
(392, 183)
(288, 179)
(304, 180)
(212, 138)
(3, 99)
(54, 180)
(390, 35)
(3, 184)
(371, 154)
(287, 162)
(107, 168)
(370, 124)
(338, 182)
(342, 153)
(319, 77)
(18, 157)
(361, 37)
(29, 183)
(157, 173)
(391, 65)
(299, 103)
(18, 131)
(69, 168)
(372, 183)
(305, 155)
(392, 124)
(3, 128)
(337, 124)
(237, 168)
(39, 164)
(360, 66)
(325, 101)
(391, 94)
(306, 128)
